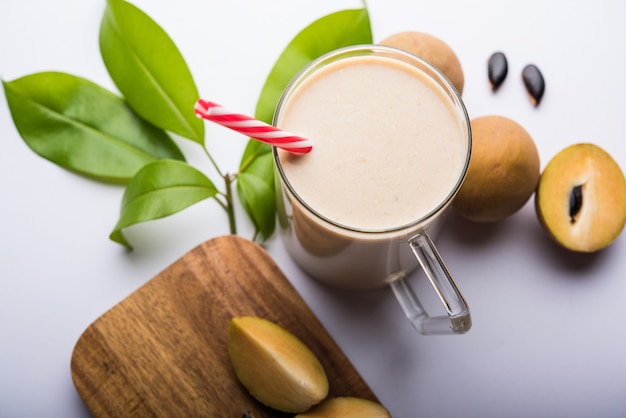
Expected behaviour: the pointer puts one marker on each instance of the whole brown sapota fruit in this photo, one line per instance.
(503, 172)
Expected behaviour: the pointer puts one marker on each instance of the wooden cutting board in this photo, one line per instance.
(162, 351)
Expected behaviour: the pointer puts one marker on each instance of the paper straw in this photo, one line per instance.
(251, 127)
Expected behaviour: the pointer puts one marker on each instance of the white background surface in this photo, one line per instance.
(548, 338)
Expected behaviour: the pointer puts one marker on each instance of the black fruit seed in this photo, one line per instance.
(575, 202)
(497, 69)
(534, 82)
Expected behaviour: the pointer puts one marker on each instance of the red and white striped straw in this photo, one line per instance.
(252, 127)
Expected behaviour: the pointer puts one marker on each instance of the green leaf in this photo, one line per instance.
(336, 30)
(160, 189)
(255, 189)
(149, 70)
(83, 127)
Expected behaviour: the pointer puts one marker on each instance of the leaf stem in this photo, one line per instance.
(214, 163)
(230, 209)
(220, 202)
(228, 196)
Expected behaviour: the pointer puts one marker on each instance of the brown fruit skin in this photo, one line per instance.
(433, 50)
(602, 215)
(503, 172)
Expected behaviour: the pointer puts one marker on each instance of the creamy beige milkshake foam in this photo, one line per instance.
(388, 147)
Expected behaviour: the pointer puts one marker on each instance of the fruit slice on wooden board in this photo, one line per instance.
(163, 351)
(275, 366)
(346, 407)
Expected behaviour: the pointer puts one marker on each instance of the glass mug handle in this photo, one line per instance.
(458, 320)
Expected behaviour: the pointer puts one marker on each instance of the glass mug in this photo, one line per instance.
(361, 257)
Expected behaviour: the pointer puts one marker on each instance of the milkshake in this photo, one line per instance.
(387, 148)
(390, 150)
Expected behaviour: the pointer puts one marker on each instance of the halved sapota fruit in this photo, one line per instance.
(276, 367)
(581, 198)
(346, 407)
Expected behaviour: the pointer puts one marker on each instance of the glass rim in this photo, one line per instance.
(429, 71)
